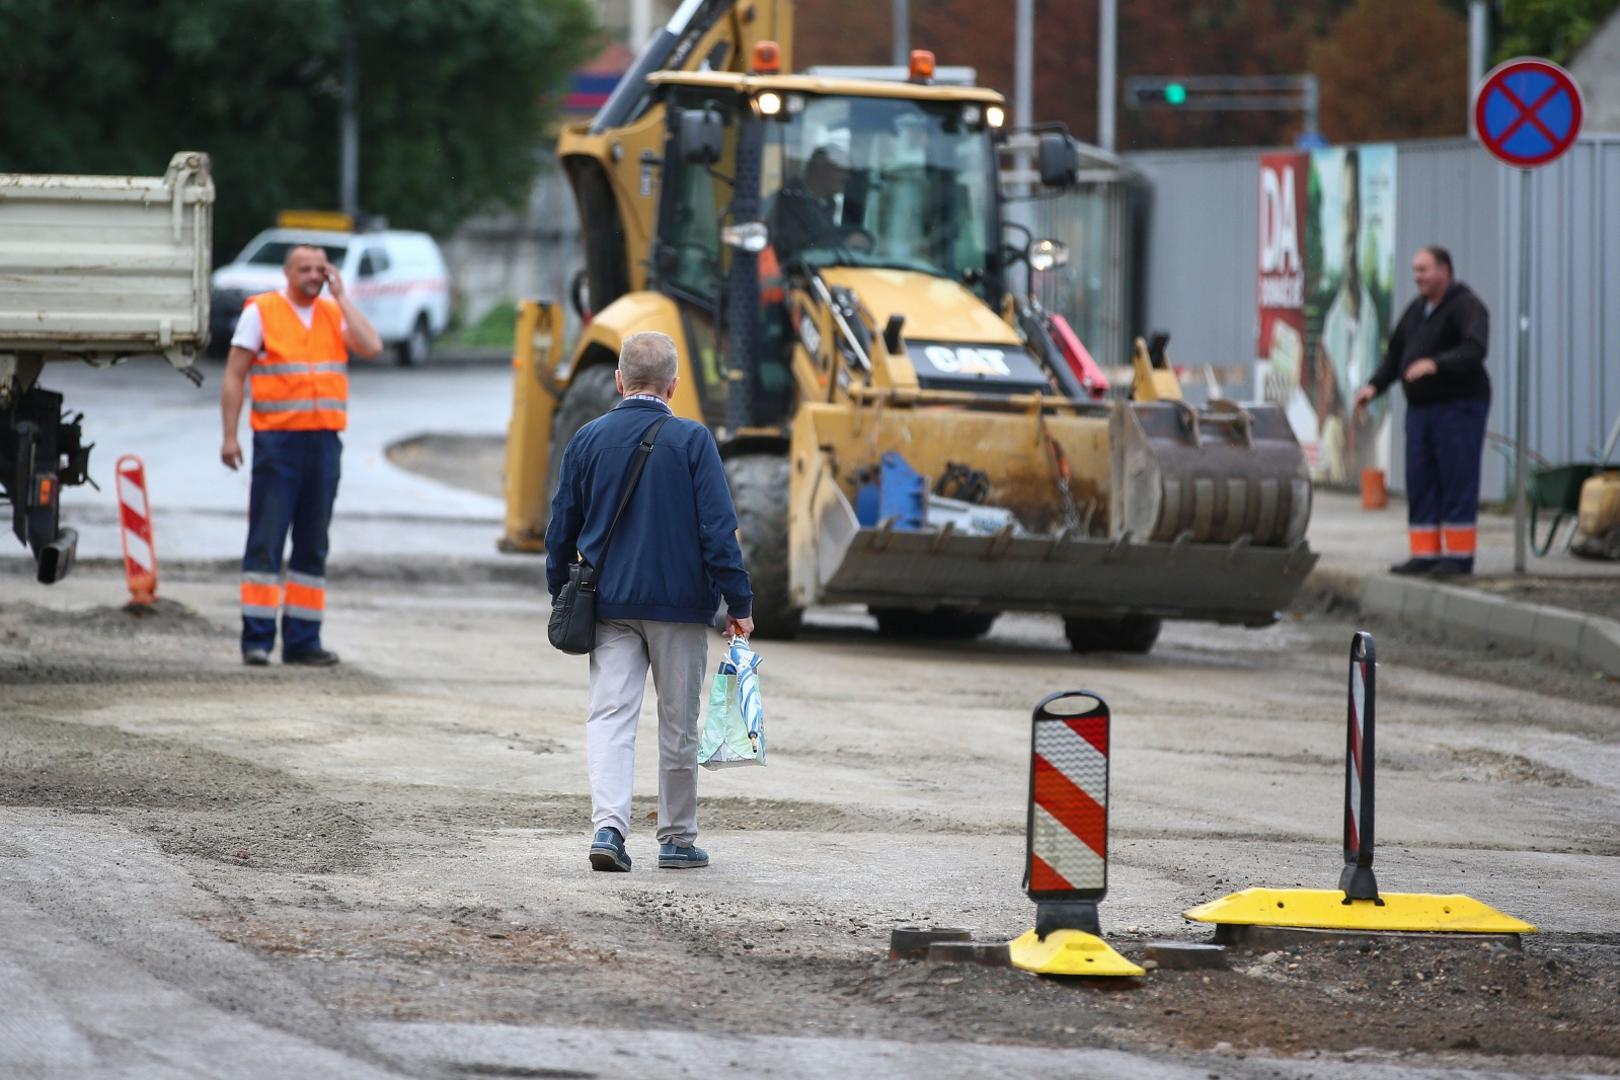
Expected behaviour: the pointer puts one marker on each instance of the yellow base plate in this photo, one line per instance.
(1069, 952)
(1325, 909)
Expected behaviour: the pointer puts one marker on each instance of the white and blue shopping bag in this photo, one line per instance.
(734, 727)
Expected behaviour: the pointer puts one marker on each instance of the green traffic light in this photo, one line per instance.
(1175, 94)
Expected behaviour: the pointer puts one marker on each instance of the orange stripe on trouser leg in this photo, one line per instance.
(1425, 542)
(260, 596)
(1460, 539)
(305, 596)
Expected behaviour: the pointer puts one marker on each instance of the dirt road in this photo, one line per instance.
(380, 870)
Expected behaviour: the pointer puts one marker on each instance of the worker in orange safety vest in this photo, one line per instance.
(292, 348)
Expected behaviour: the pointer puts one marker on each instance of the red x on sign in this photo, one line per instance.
(1527, 112)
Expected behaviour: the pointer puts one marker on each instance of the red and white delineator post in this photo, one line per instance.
(1357, 904)
(1357, 881)
(135, 529)
(1066, 861)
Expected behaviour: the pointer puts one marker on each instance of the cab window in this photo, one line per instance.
(373, 262)
(693, 261)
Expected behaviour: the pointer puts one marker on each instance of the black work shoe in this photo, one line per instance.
(1450, 568)
(256, 657)
(312, 658)
(607, 850)
(1414, 566)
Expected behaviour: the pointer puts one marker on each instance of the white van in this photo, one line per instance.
(397, 278)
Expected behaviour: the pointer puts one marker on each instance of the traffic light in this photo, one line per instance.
(1175, 94)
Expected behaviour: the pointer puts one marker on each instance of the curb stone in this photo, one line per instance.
(1576, 638)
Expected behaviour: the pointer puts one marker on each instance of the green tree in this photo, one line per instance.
(454, 97)
(1550, 28)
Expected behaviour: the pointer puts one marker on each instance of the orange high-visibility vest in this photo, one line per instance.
(300, 379)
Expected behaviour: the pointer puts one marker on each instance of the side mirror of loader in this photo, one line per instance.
(703, 136)
(1059, 160)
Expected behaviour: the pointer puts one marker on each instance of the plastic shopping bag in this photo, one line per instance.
(734, 726)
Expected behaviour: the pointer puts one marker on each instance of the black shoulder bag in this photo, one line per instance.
(573, 613)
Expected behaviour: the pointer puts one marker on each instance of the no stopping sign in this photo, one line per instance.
(1527, 112)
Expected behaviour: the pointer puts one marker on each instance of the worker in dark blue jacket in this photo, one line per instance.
(673, 556)
(1437, 351)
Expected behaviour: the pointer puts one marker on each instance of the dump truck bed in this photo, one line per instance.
(105, 267)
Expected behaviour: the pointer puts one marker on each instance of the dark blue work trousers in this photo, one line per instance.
(295, 481)
(1444, 444)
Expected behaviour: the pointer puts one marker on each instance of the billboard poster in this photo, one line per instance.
(1281, 347)
(1349, 290)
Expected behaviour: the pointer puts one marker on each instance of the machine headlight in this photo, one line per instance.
(995, 116)
(750, 236)
(769, 102)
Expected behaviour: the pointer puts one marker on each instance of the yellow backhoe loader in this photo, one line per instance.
(900, 427)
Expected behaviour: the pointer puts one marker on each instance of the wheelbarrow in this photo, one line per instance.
(1558, 489)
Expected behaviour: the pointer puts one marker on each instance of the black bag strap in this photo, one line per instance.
(643, 452)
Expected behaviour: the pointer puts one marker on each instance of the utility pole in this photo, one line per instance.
(349, 151)
(1479, 18)
(1024, 64)
(1107, 79)
(641, 21)
(901, 56)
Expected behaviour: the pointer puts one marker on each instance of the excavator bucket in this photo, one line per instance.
(1165, 511)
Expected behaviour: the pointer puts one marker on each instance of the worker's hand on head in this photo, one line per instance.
(230, 452)
(739, 627)
(1421, 369)
(334, 281)
(1364, 396)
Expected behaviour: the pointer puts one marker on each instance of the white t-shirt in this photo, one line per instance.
(250, 327)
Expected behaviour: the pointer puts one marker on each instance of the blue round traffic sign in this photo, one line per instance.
(1527, 112)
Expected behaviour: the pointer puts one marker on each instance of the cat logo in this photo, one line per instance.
(981, 360)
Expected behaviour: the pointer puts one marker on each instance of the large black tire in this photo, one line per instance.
(941, 624)
(589, 395)
(417, 347)
(1127, 633)
(759, 488)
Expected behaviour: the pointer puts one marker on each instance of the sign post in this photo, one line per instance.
(1527, 113)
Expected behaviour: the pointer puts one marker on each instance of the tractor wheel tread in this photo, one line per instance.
(759, 490)
(1125, 633)
(590, 394)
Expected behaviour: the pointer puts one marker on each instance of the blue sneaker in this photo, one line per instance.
(681, 857)
(607, 851)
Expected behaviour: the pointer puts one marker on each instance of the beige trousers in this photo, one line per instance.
(677, 654)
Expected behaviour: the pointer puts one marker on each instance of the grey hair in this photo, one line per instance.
(648, 361)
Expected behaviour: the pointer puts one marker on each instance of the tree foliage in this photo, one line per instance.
(454, 97)
(1156, 37)
(1554, 29)
(1394, 69)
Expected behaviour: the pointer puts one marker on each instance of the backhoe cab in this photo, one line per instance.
(901, 428)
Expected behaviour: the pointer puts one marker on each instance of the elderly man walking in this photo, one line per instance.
(1438, 353)
(673, 554)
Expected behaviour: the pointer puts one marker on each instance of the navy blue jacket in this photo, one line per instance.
(675, 551)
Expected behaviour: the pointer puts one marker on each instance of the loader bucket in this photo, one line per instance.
(1044, 563)
(1219, 474)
